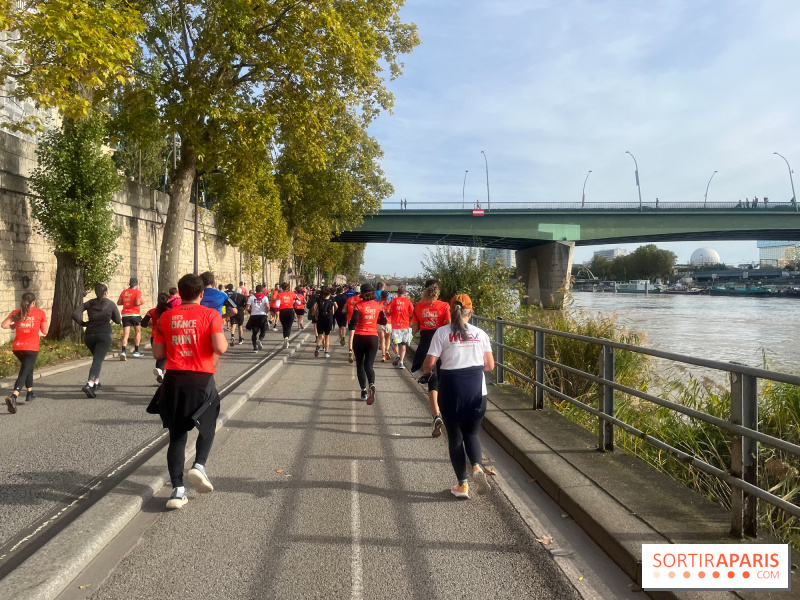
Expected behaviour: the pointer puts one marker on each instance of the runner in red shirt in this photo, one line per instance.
(284, 303)
(273, 310)
(300, 305)
(401, 309)
(130, 300)
(364, 324)
(191, 338)
(350, 306)
(27, 322)
(430, 314)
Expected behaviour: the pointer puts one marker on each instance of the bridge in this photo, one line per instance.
(544, 234)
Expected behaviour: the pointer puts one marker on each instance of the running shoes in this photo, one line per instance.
(327, 355)
(123, 356)
(316, 352)
(460, 491)
(30, 396)
(177, 500)
(364, 394)
(89, 391)
(396, 360)
(479, 478)
(198, 478)
(437, 426)
(11, 403)
(351, 357)
(137, 354)
(285, 342)
(372, 394)
(159, 374)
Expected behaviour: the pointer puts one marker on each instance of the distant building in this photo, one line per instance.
(611, 254)
(777, 254)
(705, 256)
(507, 258)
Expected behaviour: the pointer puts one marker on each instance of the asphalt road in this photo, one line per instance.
(318, 495)
(63, 440)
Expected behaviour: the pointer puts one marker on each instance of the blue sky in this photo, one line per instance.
(552, 89)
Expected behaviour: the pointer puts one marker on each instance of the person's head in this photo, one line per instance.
(27, 302)
(367, 292)
(219, 287)
(241, 283)
(324, 293)
(401, 290)
(173, 291)
(229, 287)
(431, 291)
(133, 283)
(101, 292)
(460, 312)
(162, 303)
(357, 289)
(339, 290)
(380, 285)
(208, 280)
(285, 286)
(298, 289)
(259, 289)
(277, 286)
(191, 287)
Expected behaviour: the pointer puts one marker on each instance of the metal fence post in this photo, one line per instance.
(606, 428)
(539, 376)
(498, 337)
(744, 454)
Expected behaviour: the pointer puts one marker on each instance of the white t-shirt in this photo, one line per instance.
(456, 353)
(256, 307)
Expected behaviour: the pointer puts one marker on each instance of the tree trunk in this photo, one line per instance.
(180, 193)
(69, 293)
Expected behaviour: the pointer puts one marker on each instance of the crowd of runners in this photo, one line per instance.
(194, 323)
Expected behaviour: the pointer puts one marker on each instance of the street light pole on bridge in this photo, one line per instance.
(583, 196)
(464, 187)
(791, 180)
(488, 201)
(705, 198)
(638, 187)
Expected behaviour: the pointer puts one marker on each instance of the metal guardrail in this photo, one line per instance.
(743, 422)
(589, 206)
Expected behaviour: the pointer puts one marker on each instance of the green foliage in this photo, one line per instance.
(646, 262)
(492, 288)
(68, 54)
(153, 160)
(50, 352)
(73, 187)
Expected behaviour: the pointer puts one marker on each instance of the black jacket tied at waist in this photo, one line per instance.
(461, 393)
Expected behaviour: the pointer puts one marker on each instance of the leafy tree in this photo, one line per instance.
(646, 262)
(226, 74)
(602, 267)
(65, 54)
(153, 156)
(73, 187)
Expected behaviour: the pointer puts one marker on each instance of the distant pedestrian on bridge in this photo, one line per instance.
(465, 352)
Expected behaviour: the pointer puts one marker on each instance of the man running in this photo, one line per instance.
(215, 299)
(258, 304)
(401, 309)
(284, 303)
(324, 309)
(240, 300)
(384, 327)
(273, 310)
(192, 339)
(130, 300)
(242, 289)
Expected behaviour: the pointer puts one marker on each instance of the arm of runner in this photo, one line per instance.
(159, 350)
(146, 321)
(139, 301)
(220, 342)
(434, 352)
(77, 315)
(232, 310)
(354, 319)
(8, 323)
(488, 357)
(115, 316)
(44, 327)
(119, 302)
(414, 328)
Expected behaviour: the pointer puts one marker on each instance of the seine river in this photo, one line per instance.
(719, 328)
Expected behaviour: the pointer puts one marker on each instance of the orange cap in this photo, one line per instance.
(463, 300)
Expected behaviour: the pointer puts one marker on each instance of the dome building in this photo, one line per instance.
(705, 256)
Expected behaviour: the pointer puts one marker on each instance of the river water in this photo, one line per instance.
(718, 328)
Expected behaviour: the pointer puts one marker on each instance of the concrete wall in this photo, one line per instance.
(27, 262)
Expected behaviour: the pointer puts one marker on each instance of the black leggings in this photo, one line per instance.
(461, 436)
(98, 344)
(287, 318)
(364, 348)
(160, 362)
(176, 453)
(259, 332)
(27, 359)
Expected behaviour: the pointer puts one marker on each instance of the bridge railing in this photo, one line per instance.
(742, 424)
(549, 206)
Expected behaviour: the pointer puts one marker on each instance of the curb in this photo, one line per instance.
(51, 568)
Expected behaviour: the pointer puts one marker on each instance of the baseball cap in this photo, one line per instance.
(357, 289)
(463, 300)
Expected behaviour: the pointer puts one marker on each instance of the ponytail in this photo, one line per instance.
(28, 298)
(162, 304)
(457, 322)
(99, 290)
(431, 292)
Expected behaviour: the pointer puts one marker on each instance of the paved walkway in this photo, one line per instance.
(319, 495)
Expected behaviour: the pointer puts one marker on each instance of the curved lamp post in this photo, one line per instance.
(488, 201)
(463, 187)
(705, 198)
(638, 187)
(791, 180)
(583, 196)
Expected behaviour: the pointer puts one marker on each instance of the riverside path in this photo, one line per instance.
(317, 495)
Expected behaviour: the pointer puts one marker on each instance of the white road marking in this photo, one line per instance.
(355, 522)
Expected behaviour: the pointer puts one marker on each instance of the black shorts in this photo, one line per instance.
(238, 318)
(341, 319)
(299, 311)
(131, 321)
(324, 325)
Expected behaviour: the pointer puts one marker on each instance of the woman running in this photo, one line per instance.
(429, 315)
(324, 309)
(284, 303)
(299, 305)
(100, 311)
(258, 305)
(364, 324)
(162, 306)
(465, 353)
(27, 321)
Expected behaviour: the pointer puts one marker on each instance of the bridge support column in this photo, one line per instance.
(545, 272)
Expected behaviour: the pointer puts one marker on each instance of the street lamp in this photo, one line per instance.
(488, 201)
(794, 197)
(463, 188)
(583, 196)
(705, 198)
(638, 187)
(215, 171)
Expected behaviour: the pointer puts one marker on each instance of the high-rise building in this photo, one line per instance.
(611, 254)
(506, 257)
(776, 254)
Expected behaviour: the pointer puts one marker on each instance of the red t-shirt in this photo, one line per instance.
(300, 302)
(431, 315)
(401, 310)
(152, 314)
(350, 304)
(186, 332)
(128, 298)
(26, 331)
(368, 312)
(286, 300)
